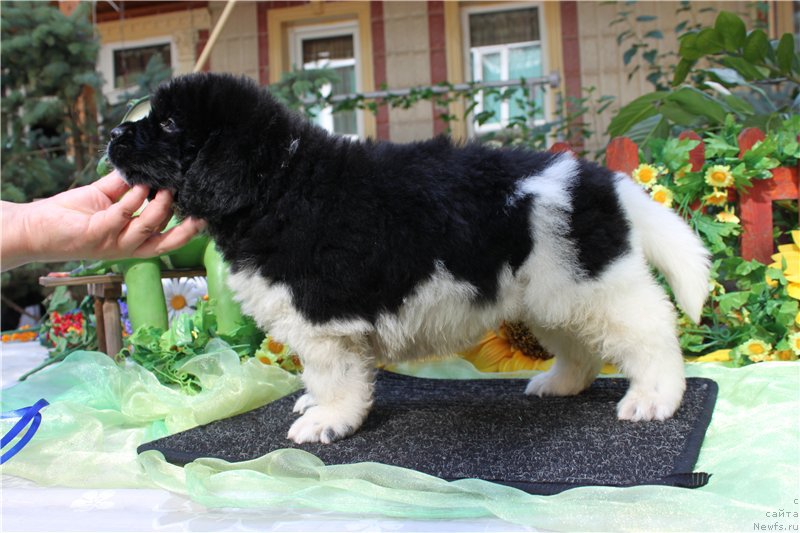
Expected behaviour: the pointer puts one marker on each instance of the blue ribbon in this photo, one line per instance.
(26, 415)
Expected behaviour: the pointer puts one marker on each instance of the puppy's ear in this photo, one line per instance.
(218, 181)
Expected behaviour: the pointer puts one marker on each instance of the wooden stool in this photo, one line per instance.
(106, 290)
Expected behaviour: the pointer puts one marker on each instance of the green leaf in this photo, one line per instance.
(709, 41)
(732, 30)
(738, 105)
(623, 36)
(727, 76)
(676, 113)
(786, 313)
(756, 46)
(732, 300)
(698, 103)
(785, 53)
(146, 338)
(654, 34)
(634, 112)
(743, 67)
(682, 70)
(649, 128)
(628, 55)
(646, 18)
(688, 47)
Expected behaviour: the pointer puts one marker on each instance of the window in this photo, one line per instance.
(505, 45)
(131, 62)
(332, 47)
(122, 62)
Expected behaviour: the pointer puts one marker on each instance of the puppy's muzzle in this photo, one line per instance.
(119, 131)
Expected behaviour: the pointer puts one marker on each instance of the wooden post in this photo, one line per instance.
(697, 156)
(755, 208)
(622, 155)
(561, 146)
(107, 315)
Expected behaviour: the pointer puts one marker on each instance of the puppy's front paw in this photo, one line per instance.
(303, 403)
(552, 383)
(649, 404)
(322, 424)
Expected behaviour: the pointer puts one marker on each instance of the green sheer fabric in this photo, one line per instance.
(101, 412)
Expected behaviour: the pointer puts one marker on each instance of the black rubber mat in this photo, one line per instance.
(486, 429)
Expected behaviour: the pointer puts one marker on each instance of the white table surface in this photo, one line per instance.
(25, 506)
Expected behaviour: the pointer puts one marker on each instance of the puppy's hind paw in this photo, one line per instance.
(303, 403)
(320, 424)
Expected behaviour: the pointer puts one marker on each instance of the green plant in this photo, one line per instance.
(749, 77)
(165, 351)
(660, 66)
(750, 305)
(67, 326)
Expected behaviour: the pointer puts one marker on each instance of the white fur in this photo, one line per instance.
(623, 316)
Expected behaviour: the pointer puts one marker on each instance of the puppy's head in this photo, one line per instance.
(198, 142)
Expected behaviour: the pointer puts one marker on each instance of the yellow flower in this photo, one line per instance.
(794, 341)
(718, 198)
(790, 253)
(645, 175)
(715, 357)
(662, 195)
(756, 350)
(727, 215)
(719, 176)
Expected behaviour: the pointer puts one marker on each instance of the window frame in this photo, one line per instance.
(105, 62)
(298, 34)
(469, 62)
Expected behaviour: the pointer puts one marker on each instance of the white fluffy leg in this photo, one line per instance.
(573, 371)
(637, 332)
(304, 402)
(339, 379)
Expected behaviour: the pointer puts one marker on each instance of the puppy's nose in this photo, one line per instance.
(117, 132)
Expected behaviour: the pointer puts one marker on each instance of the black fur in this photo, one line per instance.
(351, 227)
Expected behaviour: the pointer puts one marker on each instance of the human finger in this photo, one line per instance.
(112, 185)
(119, 215)
(176, 237)
(150, 221)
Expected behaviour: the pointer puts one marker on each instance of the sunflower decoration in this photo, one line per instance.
(182, 294)
(719, 176)
(662, 195)
(510, 348)
(646, 175)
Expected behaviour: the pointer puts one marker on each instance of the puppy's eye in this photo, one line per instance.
(169, 126)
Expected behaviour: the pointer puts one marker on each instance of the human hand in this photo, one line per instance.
(92, 222)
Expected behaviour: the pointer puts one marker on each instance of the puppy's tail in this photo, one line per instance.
(670, 245)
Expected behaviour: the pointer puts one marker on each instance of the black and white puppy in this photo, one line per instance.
(357, 252)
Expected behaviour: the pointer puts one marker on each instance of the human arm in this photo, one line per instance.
(92, 222)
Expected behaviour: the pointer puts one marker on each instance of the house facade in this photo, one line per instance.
(395, 45)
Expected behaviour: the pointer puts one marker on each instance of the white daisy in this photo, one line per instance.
(182, 294)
